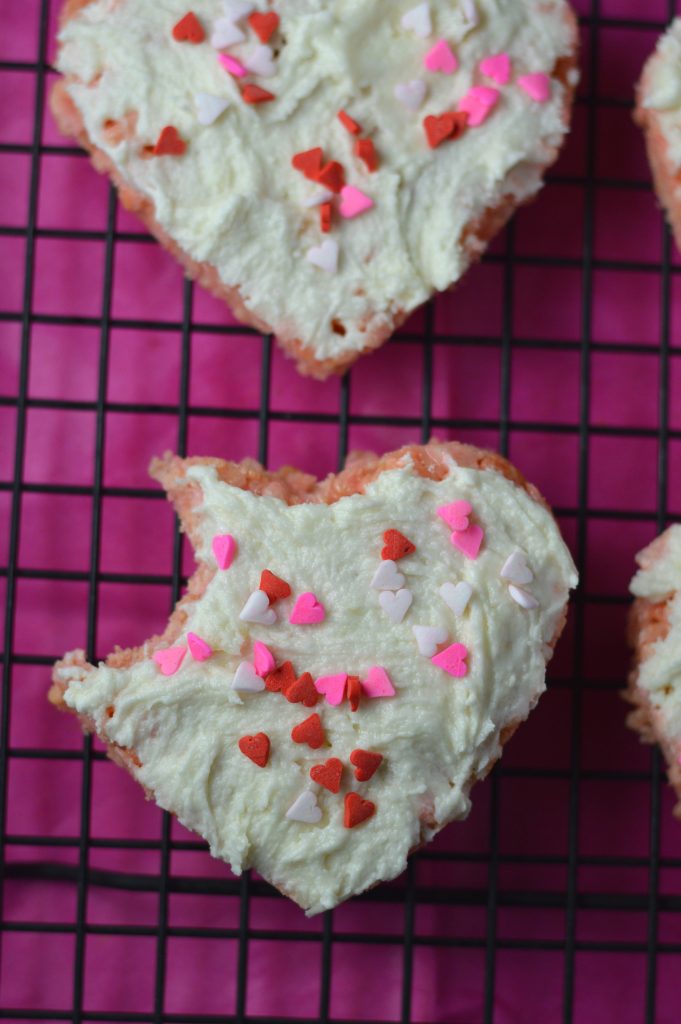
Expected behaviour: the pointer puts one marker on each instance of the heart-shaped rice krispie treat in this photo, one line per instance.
(324, 166)
(655, 634)
(349, 659)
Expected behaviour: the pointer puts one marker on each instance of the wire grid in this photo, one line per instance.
(493, 897)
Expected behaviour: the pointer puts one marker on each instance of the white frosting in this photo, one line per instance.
(435, 734)
(660, 672)
(662, 90)
(235, 201)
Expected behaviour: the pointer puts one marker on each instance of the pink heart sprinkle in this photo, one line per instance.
(231, 64)
(441, 58)
(263, 659)
(497, 67)
(537, 86)
(353, 202)
(224, 547)
(468, 541)
(452, 660)
(479, 103)
(332, 687)
(307, 610)
(200, 650)
(169, 659)
(456, 514)
(378, 683)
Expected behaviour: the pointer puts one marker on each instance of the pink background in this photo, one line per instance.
(557, 349)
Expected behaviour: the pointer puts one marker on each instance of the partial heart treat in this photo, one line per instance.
(655, 635)
(658, 112)
(322, 744)
(324, 166)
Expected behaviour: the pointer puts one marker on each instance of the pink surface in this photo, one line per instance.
(540, 303)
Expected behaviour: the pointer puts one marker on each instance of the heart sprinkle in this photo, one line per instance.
(324, 256)
(332, 687)
(411, 94)
(263, 659)
(332, 176)
(366, 151)
(395, 604)
(354, 202)
(232, 65)
(310, 732)
(257, 609)
(446, 127)
(254, 94)
(521, 597)
(169, 659)
(470, 12)
(305, 808)
(452, 660)
(264, 24)
(169, 143)
(366, 763)
(396, 546)
(309, 162)
(515, 569)
(224, 547)
(468, 541)
(497, 67)
(225, 33)
(378, 683)
(387, 577)
(357, 810)
(282, 677)
(478, 103)
(348, 123)
(198, 648)
(318, 199)
(260, 62)
(537, 86)
(441, 58)
(328, 774)
(354, 692)
(273, 586)
(209, 108)
(456, 514)
(257, 748)
(189, 29)
(246, 679)
(456, 595)
(429, 639)
(302, 691)
(307, 611)
(237, 10)
(325, 215)
(417, 20)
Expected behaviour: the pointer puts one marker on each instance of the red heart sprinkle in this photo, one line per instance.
(332, 176)
(189, 29)
(366, 151)
(366, 763)
(302, 691)
(310, 731)
(254, 94)
(447, 126)
(257, 748)
(282, 677)
(357, 810)
(349, 123)
(328, 774)
(309, 163)
(353, 691)
(264, 25)
(325, 213)
(169, 142)
(273, 586)
(396, 545)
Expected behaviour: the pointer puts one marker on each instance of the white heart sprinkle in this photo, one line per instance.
(387, 577)
(411, 94)
(225, 33)
(305, 808)
(236, 10)
(428, 638)
(324, 256)
(522, 598)
(418, 20)
(456, 595)
(516, 569)
(257, 609)
(395, 605)
(209, 108)
(247, 679)
(260, 61)
(470, 12)
(317, 199)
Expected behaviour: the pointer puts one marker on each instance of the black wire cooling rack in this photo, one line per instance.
(494, 896)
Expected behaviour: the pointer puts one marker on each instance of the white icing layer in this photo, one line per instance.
(436, 734)
(235, 201)
(661, 91)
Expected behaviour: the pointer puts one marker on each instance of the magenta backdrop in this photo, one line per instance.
(559, 336)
